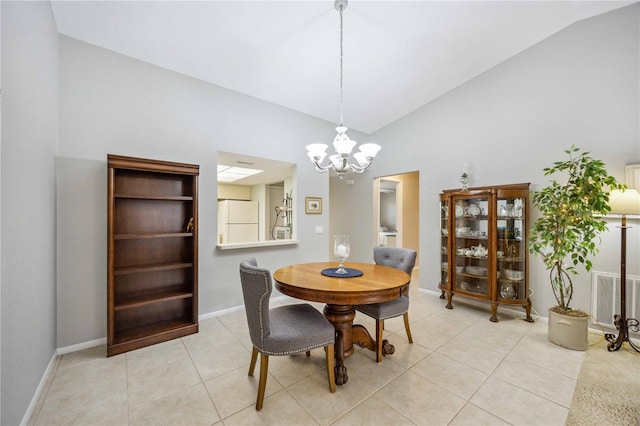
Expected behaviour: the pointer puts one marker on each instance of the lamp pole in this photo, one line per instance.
(622, 323)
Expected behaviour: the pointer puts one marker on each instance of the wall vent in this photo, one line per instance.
(605, 297)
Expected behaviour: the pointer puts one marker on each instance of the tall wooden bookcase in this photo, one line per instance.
(152, 263)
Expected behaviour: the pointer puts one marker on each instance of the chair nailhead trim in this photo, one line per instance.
(260, 349)
(297, 352)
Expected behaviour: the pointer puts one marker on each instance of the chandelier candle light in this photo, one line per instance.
(341, 251)
(341, 143)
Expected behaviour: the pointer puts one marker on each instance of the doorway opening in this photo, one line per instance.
(396, 213)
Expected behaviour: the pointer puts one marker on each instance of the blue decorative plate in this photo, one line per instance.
(331, 272)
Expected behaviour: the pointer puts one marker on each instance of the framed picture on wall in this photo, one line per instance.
(313, 205)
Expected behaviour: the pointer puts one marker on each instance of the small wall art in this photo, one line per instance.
(313, 205)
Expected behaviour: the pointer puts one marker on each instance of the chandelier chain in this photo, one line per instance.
(341, 142)
(341, 72)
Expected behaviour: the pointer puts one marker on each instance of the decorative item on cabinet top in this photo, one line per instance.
(483, 248)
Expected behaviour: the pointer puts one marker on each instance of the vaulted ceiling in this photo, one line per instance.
(398, 55)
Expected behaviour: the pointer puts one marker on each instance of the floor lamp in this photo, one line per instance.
(623, 203)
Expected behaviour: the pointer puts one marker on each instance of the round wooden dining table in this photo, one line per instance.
(376, 284)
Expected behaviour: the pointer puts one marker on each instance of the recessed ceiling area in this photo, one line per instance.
(230, 174)
(398, 55)
(271, 171)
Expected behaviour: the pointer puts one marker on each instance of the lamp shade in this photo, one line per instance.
(361, 158)
(624, 202)
(316, 152)
(337, 161)
(370, 149)
(342, 144)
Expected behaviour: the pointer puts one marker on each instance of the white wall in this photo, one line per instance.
(579, 87)
(29, 123)
(110, 103)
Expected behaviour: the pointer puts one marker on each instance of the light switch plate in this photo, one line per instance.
(319, 229)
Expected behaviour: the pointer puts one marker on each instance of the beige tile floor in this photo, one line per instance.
(461, 370)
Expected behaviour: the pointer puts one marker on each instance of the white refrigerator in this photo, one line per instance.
(237, 221)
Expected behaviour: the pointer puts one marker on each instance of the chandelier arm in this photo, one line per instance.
(322, 169)
(358, 169)
(345, 168)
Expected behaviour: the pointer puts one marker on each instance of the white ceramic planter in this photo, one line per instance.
(569, 332)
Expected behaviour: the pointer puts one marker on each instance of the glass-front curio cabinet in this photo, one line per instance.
(483, 233)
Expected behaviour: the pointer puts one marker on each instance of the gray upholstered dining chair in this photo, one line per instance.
(284, 330)
(399, 258)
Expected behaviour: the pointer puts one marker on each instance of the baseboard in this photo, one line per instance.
(220, 312)
(39, 389)
(80, 346)
(234, 309)
(430, 292)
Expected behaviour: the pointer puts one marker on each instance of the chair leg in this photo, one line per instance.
(406, 326)
(264, 368)
(329, 349)
(379, 328)
(254, 358)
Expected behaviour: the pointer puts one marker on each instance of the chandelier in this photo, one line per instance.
(341, 143)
